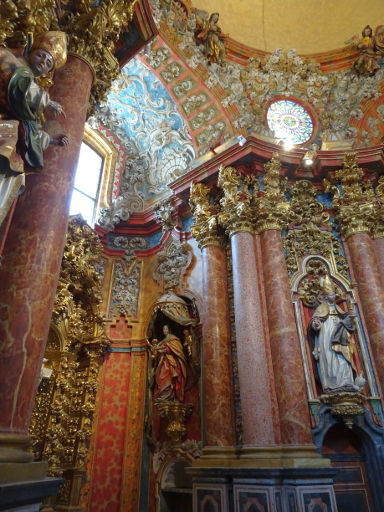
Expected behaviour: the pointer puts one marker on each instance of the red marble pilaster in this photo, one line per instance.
(366, 268)
(33, 252)
(256, 387)
(379, 244)
(285, 345)
(217, 369)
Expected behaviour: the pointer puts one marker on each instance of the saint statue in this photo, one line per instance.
(330, 336)
(22, 102)
(209, 33)
(170, 367)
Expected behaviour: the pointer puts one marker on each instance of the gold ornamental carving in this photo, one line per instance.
(273, 210)
(345, 405)
(237, 206)
(311, 230)
(205, 228)
(65, 403)
(378, 230)
(355, 205)
(93, 30)
(176, 415)
(20, 18)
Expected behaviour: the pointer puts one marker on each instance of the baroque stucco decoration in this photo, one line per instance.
(126, 276)
(142, 114)
(336, 97)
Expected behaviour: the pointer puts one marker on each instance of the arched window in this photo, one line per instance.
(94, 176)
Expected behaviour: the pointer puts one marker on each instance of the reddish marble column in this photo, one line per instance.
(285, 345)
(32, 255)
(217, 369)
(256, 388)
(379, 244)
(366, 267)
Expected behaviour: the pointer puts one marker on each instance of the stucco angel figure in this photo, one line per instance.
(366, 63)
(170, 375)
(22, 102)
(330, 336)
(209, 33)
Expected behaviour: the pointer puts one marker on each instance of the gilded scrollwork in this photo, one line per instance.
(20, 18)
(355, 206)
(62, 417)
(205, 228)
(92, 32)
(311, 230)
(237, 205)
(378, 230)
(273, 210)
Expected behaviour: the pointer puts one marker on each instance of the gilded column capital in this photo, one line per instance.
(273, 210)
(378, 229)
(205, 228)
(237, 206)
(92, 31)
(355, 206)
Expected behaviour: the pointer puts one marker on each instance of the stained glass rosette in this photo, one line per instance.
(290, 122)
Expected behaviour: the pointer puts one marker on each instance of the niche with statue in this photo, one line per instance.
(336, 358)
(173, 339)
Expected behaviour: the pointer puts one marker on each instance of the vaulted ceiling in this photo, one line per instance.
(310, 26)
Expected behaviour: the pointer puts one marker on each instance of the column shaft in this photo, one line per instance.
(379, 244)
(285, 345)
(217, 369)
(33, 252)
(366, 266)
(256, 386)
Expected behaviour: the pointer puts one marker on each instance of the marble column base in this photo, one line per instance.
(16, 461)
(26, 496)
(290, 456)
(263, 489)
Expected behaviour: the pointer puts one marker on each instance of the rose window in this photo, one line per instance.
(290, 122)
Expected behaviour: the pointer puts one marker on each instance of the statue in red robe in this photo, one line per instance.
(171, 368)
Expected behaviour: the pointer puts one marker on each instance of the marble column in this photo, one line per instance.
(285, 345)
(258, 401)
(379, 245)
(366, 267)
(217, 368)
(32, 258)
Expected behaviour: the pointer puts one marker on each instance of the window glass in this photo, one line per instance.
(87, 182)
(290, 121)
